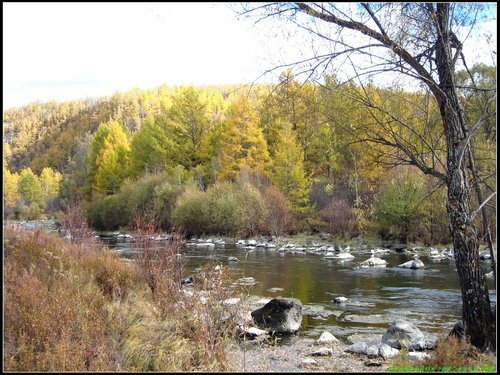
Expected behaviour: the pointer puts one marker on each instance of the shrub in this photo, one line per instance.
(109, 213)
(163, 203)
(75, 224)
(225, 208)
(182, 329)
(452, 354)
(250, 211)
(190, 214)
(339, 216)
(399, 207)
(278, 211)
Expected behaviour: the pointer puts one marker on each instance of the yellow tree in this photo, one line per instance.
(188, 125)
(287, 170)
(50, 181)
(298, 104)
(113, 160)
(30, 188)
(242, 145)
(10, 191)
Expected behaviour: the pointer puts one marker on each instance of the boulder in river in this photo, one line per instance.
(280, 315)
(340, 299)
(414, 264)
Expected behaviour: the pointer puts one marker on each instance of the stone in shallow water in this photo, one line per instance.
(316, 311)
(275, 290)
(246, 281)
(405, 334)
(340, 299)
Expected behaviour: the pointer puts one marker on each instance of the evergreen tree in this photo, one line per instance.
(189, 125)
(96, 145)
(151, 148)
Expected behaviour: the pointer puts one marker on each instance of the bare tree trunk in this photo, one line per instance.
(476, 312)
(486, 224)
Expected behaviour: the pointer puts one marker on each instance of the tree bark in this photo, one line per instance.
(476, 312)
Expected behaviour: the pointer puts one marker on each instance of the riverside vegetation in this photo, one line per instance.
(78, 306)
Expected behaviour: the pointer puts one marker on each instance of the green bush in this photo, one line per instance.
(225, 208)
(163, 203)
(151, 198)
(400, 206)
(109, 213)
(191, 212)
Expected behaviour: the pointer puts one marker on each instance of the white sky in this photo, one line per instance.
(76, 50)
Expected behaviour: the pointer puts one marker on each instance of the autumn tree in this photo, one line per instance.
(50, 181)
(10, 190)
(30, 188)
(297, 104)
(151, 147)
(112, 160)
(73, 186)
(188, 126)
(424, 44)
(95, 147)
(288, 173)
(243, 144)
(353, 169)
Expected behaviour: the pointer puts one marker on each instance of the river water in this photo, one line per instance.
(429, 298)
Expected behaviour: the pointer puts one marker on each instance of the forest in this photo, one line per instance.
(267, 159)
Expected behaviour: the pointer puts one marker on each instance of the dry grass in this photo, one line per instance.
(78, 307)
(53, 305)
(189, 327)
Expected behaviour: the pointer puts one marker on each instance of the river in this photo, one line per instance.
(429, 298)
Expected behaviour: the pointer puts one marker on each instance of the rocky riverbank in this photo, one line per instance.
(301, 355)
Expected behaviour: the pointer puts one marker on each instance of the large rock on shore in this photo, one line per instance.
(404, 334)
(280, 315)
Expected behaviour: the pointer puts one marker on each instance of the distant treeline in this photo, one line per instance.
(269, 159)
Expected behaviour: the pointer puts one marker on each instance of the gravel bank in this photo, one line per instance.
(295, 356)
